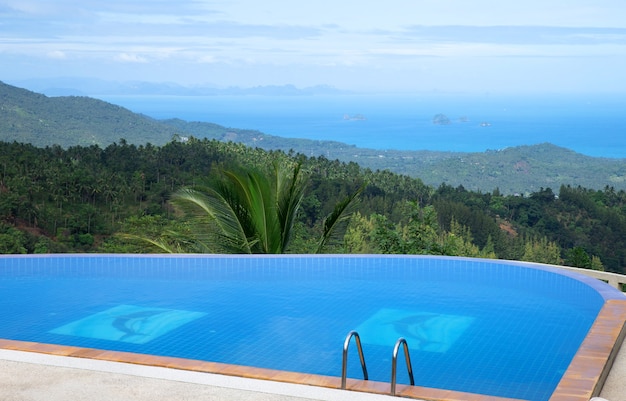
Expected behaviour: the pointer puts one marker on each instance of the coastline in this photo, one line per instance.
(588, 125)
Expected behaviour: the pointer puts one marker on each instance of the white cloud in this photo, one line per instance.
(130, 58)
(207, 59)
(57, 54)
(28, 7)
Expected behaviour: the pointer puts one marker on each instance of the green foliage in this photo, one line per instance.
(150, 234)
(253, 211)
(596, 263)
(358, 237)
(459, 242)
(578, 257)
(12, 240)
(420, 234)
(542, 251)
(43, 245)
(246, 211)
(387, 239)
(337, 220)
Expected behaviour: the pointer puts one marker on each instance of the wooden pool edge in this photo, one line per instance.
(590, 367)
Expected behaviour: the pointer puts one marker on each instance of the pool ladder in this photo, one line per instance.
(394, 360)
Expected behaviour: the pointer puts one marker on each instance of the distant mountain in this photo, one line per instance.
(33, 118)
(93, 86)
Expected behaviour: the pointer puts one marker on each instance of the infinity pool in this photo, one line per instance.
(498, 328)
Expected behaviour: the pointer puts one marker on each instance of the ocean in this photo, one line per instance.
(594, 125)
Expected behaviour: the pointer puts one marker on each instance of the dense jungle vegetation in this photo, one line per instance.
(94, 199)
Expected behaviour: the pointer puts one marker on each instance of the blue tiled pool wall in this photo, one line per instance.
(505, 274)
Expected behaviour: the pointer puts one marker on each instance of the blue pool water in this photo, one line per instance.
(488, 327)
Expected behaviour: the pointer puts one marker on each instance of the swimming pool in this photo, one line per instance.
(506, 329)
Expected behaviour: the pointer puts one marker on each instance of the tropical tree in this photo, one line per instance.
(578, 257)
(358, 237)
(542, 251)
(146, 233)
(12, 240)
(249, 211)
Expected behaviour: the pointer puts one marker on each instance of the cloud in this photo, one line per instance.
(130, 58)
(530, 35)
(27, 7)
(207, 59)
(57, 54)
(176, 27)
(93, 7)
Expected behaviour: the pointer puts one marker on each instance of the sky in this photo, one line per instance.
(365, 45)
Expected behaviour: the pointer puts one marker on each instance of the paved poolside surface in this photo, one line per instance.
(26, 376)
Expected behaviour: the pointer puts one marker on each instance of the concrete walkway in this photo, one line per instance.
(26, 376)
(615, 385)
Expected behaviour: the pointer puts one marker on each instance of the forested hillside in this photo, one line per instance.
(33, 118)
(29, 117)
(93, 199)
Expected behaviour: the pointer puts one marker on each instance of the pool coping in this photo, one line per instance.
(583, 379)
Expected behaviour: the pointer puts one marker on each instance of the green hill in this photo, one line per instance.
(30, 117)
(33, 118)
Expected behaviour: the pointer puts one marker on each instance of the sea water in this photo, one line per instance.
(593, 125)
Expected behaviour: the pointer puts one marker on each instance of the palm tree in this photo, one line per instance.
(252, 212)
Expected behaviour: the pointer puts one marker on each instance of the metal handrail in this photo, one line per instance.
(394, 360)
(344, 366)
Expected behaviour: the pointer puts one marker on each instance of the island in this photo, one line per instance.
(441, 119)
(354, 117)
